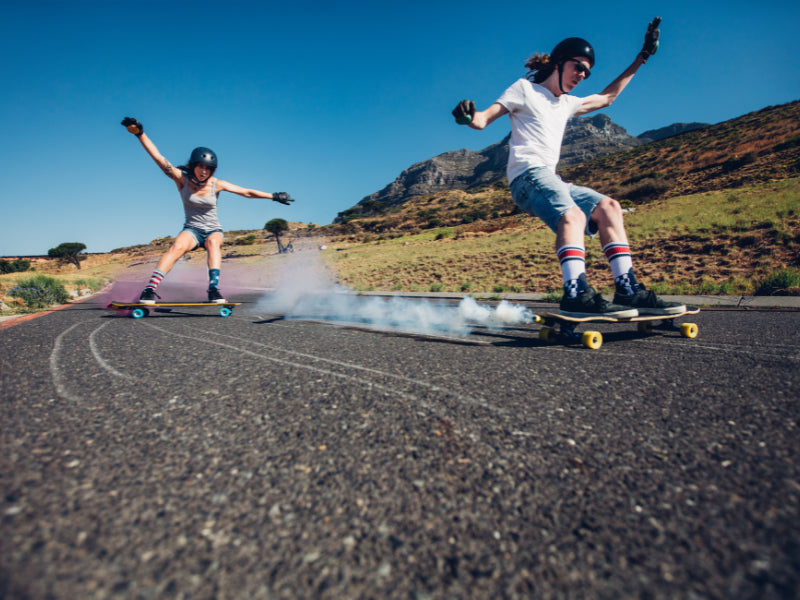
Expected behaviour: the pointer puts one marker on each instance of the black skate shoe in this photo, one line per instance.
(647, 303)
(588, 303)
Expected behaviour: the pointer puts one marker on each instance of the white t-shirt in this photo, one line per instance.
(538, 119)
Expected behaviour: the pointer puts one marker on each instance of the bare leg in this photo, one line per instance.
(185, 242)
(214, 249)
(608, 216)
(571, 228)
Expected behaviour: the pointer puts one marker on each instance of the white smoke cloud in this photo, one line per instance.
(305, 289)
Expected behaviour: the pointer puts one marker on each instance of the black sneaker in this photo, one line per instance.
(647, 303)
(148, 296)
(589, 303)
(215, 296)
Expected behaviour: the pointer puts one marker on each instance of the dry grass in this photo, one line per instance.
(715, 242)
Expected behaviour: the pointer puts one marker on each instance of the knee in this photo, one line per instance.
(574, 218)
(607, 211)
(214, 242)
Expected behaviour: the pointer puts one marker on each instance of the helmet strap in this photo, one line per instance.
(560, 75)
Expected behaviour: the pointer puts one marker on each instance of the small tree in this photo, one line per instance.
(276, 227)
(68, 252)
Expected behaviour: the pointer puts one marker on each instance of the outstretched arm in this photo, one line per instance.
(465, 114)
(137, 129)
(608, 95)
(225, 186)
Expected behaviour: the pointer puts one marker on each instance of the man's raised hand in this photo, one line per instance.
(282, 197)
(650, 46)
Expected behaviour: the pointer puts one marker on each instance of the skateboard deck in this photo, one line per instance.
(140, 310)
(557, 326)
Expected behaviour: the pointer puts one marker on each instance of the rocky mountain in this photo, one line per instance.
(584, 139)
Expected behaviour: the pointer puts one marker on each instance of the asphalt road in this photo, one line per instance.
(186, 455)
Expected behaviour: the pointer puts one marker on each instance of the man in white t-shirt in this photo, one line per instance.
(539, 107)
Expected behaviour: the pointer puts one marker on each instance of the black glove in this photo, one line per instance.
(282, 197)
(650, 46)
(464, 112)
(133, 126)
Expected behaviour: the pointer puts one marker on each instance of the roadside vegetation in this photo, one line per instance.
(726, 242)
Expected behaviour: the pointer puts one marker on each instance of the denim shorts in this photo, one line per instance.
(200, 235)
(542, 193)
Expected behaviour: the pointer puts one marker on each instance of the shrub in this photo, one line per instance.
(247, 240)
(15, 266)
(777, 283)
(40, 292)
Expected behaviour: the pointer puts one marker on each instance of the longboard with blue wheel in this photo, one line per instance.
(140, 310)
(557, 327)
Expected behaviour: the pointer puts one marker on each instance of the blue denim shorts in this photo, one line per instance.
(542, 193)
(200, 235)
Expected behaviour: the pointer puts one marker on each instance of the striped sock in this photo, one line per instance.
(621, 263)
(573, 268)
(155, 279)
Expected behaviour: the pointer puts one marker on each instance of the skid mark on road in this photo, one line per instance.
(59, 374)
(59, 381)
(101, 361)
(294, 364)
(776, 352)
(349, 365)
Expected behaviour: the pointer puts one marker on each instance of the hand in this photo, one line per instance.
(464, 112)
(650, 46)
(282, 197)
(133, 126)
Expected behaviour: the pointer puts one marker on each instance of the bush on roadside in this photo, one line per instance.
(39, 292)
(14, 266)
(783, 282)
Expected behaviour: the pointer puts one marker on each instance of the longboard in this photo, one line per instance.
(557, 326)
(140, 310)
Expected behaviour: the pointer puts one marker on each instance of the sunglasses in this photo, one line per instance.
(580, 67)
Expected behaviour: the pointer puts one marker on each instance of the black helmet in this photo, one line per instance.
(203, 156)
(570, 48)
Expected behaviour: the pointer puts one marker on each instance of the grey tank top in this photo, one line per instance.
(201, 211)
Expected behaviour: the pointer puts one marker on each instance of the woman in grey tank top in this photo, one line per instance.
(199, 190)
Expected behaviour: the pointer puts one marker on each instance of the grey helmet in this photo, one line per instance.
(202, 156)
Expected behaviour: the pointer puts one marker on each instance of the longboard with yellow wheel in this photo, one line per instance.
(558, 327)
(139, 310)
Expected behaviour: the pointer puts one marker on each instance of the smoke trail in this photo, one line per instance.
(304, 289)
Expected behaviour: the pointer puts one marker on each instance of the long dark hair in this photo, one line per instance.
(540, 67)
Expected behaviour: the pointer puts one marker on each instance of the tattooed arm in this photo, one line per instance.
(136, 128)
(175, 174)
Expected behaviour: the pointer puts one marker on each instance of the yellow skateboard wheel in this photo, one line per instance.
(592, 339)
(689, 330)
(644, 326)
(548, 334)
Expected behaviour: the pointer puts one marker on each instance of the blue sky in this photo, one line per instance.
(328, 101)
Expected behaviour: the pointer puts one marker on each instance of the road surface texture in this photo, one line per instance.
(185, 455)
